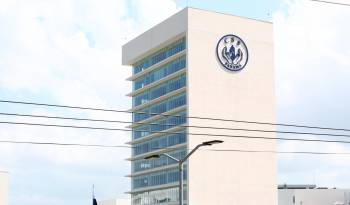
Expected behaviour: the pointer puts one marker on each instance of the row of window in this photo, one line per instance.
(157, 178)
(157, 196)
(160, 55)
(160, 73)
(159, 125)
(164, 106)
(145, 164)
(159, 143)
(159, 90)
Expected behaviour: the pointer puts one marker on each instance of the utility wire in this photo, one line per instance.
(331, 2)
(279, 152)
(64, 144)
(214, 150)
(167, 115)
(167, 132)
(183, 126)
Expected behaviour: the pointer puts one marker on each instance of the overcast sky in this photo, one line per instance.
(69, 52)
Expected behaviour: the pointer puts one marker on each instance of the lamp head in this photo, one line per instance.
(209, 143)
(152, 156)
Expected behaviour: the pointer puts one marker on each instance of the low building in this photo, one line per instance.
(312, 195)
(4, 188)
(115, 202)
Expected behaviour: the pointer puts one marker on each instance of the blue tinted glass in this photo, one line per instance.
(169, 104)
(157, 178)
(140, 132)
(160, 73)
(159, 125)
(176, 83)
(160, 90)
(141, 165)
(140, 99)
(160, 55)
(159, 143)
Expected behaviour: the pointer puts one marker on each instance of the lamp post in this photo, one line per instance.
(182, 161)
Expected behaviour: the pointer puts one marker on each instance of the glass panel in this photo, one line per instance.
(164, 106)
(160, 73)
(160, 90)
(159, 143)
(144, 164)
(156, 178)
(160, 55)
(159, 125)
(156, 197)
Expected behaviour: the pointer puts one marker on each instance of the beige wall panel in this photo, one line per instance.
(4, 188)
(230, 178)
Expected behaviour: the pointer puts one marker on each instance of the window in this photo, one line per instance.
(160, 73)
(160, 90)
(140, 99)
(156, 197)
(160, 55)
(141, 131)
(176, 84)
(159, 125)
(167, 105)
(144, 164)
(159, 143)
(157, 178)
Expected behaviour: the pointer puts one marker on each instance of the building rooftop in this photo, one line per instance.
(296, 186)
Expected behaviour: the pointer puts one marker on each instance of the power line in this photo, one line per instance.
(280, 152)
(64, 144)
(183, 126)
(331, 2)
(166, 132)
(214, 150)
(167, 115)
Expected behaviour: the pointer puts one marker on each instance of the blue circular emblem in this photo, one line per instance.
(232, 52)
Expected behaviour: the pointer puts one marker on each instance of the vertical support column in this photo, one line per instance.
(181, 177)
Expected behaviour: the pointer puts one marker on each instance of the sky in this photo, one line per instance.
(69, 52)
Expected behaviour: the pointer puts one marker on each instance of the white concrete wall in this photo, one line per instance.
(115, 202)
(230, 178)
(155, 37)
(314, 196)
(285, 196)
(4, 188)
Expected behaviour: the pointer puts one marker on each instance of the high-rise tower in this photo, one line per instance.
(202, 64)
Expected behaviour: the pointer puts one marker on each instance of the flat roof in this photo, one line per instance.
(296, 186)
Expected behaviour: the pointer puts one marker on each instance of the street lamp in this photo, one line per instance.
(182, 161)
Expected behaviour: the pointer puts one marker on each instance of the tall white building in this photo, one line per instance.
(202, 64)
(4, 188)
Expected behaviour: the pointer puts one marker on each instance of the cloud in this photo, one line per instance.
(312, 72)
(151, 12)
(68, 52)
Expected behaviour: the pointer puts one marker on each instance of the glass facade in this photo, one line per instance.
(157, 196)
(159, 143)
(159, 108)
(157, 178)
(160, 55)
(159, 90)
(145, 164)
(159, 125)
(160, 73)
(155, 124)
